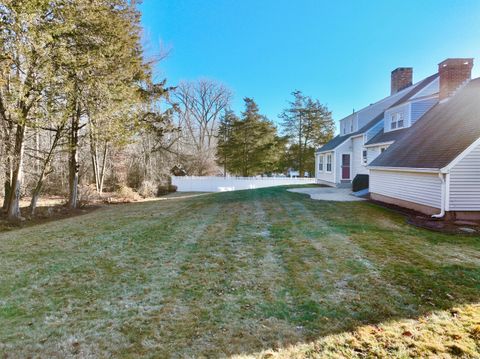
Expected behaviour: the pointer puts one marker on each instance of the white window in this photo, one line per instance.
(396, 120)
(351, 127)
(329, 163)
(320, 163)
(364, 157)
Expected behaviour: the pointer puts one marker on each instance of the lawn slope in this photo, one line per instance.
(248, 273)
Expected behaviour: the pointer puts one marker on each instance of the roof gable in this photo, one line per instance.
(438, 137)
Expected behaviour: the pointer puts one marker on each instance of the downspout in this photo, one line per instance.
(444, 196)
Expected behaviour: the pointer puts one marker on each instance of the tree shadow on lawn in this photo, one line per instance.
(395, 271)
(236, 273)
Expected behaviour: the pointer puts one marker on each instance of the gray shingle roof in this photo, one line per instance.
(383, 137)
(440, 135)
(339, 139)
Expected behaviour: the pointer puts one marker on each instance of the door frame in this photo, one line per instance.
(350, 166)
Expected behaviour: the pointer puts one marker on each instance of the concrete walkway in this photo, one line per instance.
(329, 194)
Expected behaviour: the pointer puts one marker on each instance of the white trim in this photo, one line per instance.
(366, 158)
(350, 166)
(380, 144)
(333, 149)
(334, 167)
(461, 156)
(360, 134)
(405, 169)
(331, 163)
(447, 192)
(320, 160)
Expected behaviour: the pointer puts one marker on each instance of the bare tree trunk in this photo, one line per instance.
(8, 165)
(43, 172)
(104, 163)
(8, 181)
(94, 155)
(13, 208)
(73, 166)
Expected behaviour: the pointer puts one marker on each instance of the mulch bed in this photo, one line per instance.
(44, 215)
(421, 220)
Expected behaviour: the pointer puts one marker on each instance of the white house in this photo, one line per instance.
(346, 155)
(434, 166)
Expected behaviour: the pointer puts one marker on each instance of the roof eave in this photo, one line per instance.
(405, 169)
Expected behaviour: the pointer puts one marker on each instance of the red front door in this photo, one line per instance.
(346, 166)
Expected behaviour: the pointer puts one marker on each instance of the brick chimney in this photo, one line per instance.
(401, 79)
(453, 73)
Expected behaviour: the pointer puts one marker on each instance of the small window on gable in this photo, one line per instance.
(393, 122)
(396, 120)
(382, 149)
(329, 163)
(400, 120)
(364, 157)
(320, 163)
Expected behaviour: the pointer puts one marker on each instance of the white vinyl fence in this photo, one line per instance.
(222, 184)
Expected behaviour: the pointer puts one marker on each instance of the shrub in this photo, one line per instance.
(147, 189)
(166, 189)
(127, 194)
(360, 182)
(87, 194)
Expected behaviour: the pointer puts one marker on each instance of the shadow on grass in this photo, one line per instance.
(233, 273)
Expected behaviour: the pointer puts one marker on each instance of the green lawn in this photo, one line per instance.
(262, 273)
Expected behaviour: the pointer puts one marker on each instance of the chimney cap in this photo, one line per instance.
(456, 61)
(398, 69)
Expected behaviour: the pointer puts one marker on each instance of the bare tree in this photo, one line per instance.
(201, 104)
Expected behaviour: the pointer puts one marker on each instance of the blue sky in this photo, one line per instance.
(341, 52)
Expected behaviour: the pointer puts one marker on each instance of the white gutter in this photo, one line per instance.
(404, 169)
(379, 144)
(444, 196)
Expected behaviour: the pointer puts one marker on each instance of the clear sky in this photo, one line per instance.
(341, 52)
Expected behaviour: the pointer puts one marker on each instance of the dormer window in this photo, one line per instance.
(396, 120)
(351, 127)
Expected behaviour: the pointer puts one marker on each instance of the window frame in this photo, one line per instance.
(328, 161)
(364, 159)
(395, 120)
(320, 163)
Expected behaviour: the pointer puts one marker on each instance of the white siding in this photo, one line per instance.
(421, 188)
(419, 108)
(404, 109)
(357, 165)
(465, 183)
(344, 148)
(429, 90)
(324, 175)
(374, 152)
(374, 130)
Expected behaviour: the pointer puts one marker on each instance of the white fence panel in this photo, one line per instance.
(222, 184)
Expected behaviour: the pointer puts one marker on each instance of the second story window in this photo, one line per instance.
(396, 120)
(364, 157)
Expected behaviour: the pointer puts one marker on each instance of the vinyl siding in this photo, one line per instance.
(421, 188)
(465, 183)
(404, 109)
(374, 152)
(429, 90)
(419, 108)
(374, 130)
(323, 175)
(357, 149)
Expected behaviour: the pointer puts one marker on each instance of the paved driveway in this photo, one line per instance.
(328, 194)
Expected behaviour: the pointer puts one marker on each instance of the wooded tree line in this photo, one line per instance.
(71, 73)
(79, 110)
(250, 145)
